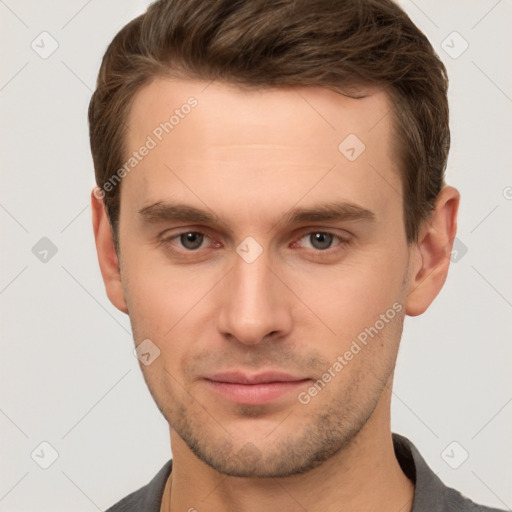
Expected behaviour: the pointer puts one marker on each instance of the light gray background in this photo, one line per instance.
(68, 374)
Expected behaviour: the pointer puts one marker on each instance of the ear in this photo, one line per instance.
(430, 255)
(107, 256)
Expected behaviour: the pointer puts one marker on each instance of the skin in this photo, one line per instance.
(248, 157)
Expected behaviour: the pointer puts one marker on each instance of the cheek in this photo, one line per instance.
(169, 305)
(156, 287)
(351, 296)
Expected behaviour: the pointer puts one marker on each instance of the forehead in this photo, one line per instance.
(220, 139)
(310, 114)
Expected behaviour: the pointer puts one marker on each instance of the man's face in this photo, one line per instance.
(293, 297)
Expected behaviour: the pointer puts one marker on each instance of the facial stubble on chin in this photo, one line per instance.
(326, 434)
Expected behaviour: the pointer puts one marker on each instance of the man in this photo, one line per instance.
(270, 205)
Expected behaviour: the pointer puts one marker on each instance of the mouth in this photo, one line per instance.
(256, 389)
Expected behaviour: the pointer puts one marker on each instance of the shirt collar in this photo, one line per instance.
(429, 489)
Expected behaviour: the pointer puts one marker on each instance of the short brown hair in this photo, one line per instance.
(338, 44)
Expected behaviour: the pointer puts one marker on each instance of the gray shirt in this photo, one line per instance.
(430, 494)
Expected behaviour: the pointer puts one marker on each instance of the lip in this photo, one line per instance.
(255, 389)
(257, 378)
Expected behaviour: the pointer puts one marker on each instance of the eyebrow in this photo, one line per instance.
(164, 211)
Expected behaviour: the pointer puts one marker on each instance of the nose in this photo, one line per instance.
(254, 302)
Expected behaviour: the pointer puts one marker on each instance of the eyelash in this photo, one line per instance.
(313, 252)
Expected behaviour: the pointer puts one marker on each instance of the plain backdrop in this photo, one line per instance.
(68, 375)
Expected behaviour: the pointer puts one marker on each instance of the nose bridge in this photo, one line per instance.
(253, 304)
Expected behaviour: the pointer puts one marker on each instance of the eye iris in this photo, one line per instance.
(321, 240)
(191, 240)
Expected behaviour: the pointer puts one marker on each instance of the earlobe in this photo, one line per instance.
(431, 253)
(107, 256)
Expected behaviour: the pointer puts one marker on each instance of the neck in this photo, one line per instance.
(365, 475)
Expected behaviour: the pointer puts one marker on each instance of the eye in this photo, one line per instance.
(190, 240)
(321, 240)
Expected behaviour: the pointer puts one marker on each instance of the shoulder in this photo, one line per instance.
(430, 493)
(454, 501)
(148, 497)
